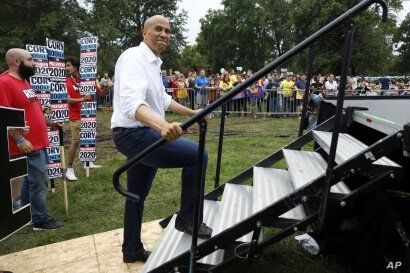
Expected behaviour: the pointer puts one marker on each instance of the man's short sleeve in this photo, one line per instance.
(6, 97)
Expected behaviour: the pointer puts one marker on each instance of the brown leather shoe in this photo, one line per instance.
(141, 256)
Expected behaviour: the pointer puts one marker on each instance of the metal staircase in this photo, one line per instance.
(240, 202)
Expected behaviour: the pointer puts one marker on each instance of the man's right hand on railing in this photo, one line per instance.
(171, 131)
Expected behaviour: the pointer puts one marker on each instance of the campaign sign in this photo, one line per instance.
(88, 58)
(88, 44)
(55, 50)
(54, 138)
(40, 83)
(87, 154)
(87, 138)
(57, 73)
(54, 161)
(58, 91)
(88, 72)
(40, 58)
(44, 98)
(88, 124)
(87, 145)
(56, 64)
(59, 112)
(87, 87)
(55, 170)
(88, 109)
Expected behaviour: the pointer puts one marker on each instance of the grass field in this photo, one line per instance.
(94, 205)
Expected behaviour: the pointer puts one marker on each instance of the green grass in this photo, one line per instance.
(94, 205)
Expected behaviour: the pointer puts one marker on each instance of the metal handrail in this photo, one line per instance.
(360, 7)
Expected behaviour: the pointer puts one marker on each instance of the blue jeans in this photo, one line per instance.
(273, 102)
(35, 185)
(312, 121)
(175, 154)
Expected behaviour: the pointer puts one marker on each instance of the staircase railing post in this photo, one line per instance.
(220, 146)
(311, 59)
(347, 54)
(198, 194)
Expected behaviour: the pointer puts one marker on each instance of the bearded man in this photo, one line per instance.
(16, 92)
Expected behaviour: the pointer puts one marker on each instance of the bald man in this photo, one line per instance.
(138, 121)
(15, 91)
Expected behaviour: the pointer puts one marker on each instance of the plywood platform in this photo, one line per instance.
(98, 253)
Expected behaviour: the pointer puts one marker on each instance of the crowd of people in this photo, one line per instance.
(277, 92)
(196, 86)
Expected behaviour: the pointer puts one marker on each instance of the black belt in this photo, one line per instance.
(121, 129)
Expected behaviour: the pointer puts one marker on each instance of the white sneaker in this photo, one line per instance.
(70, 175)
(91, 165)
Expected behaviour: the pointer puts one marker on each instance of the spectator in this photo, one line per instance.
(384, 83)
(202, 84)
(233, 76)
(192, 90)
(239, 100)
(166, 80)
(350, 87)
(213, 92)
(174, 85)
(74, 99)
(106, 81)
(106, 85)
(225, 86)
(313, 109)
(288, 86)
(182, 92)
(15, 91)
(362, 89)
(317, 86)
(331, 85)
(300, 90)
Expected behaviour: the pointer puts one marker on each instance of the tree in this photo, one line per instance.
(190, 58)
(118, 26)
(246, 33)
(57, 19)
(372, 44)
(403, 33)
(253, 33)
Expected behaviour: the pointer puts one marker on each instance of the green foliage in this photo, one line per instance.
(252, 33)
(372, 44)
(117, 24)
(31, 22)
(403, 60)
(246, 33)
(190, 58)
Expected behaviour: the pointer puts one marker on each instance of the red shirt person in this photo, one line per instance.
(74, 99)
(15, 91)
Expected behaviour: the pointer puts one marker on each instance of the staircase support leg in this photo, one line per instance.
(347, 54)
(198, 194)
(253, 250)
(220, 146)
(306, 94)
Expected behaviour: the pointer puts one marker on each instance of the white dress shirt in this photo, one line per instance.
(138, 81)
(331, 85)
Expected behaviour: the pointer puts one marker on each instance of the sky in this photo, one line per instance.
(198, 8)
